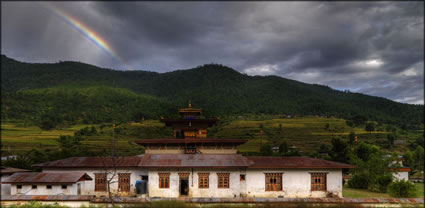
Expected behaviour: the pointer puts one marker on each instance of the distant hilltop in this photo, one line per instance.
(219, 89)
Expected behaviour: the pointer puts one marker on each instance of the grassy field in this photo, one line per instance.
(363, 193)
(307, 133)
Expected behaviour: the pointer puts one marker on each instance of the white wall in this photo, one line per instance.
(194, 191)
(401, 175)
(89, 185)
(42, 189)
(295, 183)
(5, 188)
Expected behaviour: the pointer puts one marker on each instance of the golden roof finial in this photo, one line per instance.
(190, 104)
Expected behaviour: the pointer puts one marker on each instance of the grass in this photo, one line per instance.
(363, 193)
(420, 190)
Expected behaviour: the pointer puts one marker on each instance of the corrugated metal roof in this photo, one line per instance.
(190, 141)
(92, 162)
(8, 170)
(294, 162)
(47, 177)
(194, 160)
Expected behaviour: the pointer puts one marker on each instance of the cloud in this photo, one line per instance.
(371, 47)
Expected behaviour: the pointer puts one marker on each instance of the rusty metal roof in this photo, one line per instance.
(92, 162)
(294, 162)
(190, 141)
(9, 170)
(47, 177)
(194, 160)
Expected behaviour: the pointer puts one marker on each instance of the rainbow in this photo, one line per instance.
(86, 31)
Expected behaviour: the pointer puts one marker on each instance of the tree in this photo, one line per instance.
(351, 137)
(266, 150)
(391, 138)
(358, 120)
(327, 126)
(371, 167)
(418, 157)
(370, 126)
(339, 150)
(283, 148)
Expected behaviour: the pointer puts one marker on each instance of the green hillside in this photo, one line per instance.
(78, 91)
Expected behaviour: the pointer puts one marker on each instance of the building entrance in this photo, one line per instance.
(184, 186)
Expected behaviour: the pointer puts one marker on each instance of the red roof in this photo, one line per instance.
(97, 162)
(295, 162)
(194, 160)
(190, 141)
(47, 177)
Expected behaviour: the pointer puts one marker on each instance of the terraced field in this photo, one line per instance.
(307, 133)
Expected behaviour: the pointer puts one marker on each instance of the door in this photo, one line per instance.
(146, 178)
(79, 189)
(184, 186)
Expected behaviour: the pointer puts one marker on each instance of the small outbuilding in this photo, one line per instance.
(48, 183)
(5, 172)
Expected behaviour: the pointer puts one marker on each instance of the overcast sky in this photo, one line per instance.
(376, 48)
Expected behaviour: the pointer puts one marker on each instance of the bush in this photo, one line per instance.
(402, 188)
(382, 182)
(359, 181)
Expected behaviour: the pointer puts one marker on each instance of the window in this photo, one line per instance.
(164, 180)
(223, 180)
(318, 181)
(124, 182)
(34, 186)
(18, 186)
(64, 186)
(48, 186)
(99, 182)
(273, 181)
(242, 177)
(203, 181)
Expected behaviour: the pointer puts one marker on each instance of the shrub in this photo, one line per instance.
(359, 181)
(402, 188)
(382, 182)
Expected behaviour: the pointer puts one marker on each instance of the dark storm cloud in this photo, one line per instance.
(369, 47)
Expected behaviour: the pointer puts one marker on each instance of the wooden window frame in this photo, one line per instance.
(164, 180)
(64, 186)
(273, 181)
(49, 186)
(124, 180)
(100, 182)
(319, 181)
(223, 180)
(203, 180)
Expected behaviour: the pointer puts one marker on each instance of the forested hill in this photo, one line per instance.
(218, 89)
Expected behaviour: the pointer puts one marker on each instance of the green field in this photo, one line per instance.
(363, 193)
(306, 133)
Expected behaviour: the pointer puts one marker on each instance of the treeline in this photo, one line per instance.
(218, 89)
(50, 107)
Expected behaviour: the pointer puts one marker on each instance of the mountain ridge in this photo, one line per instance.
(218, 89)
